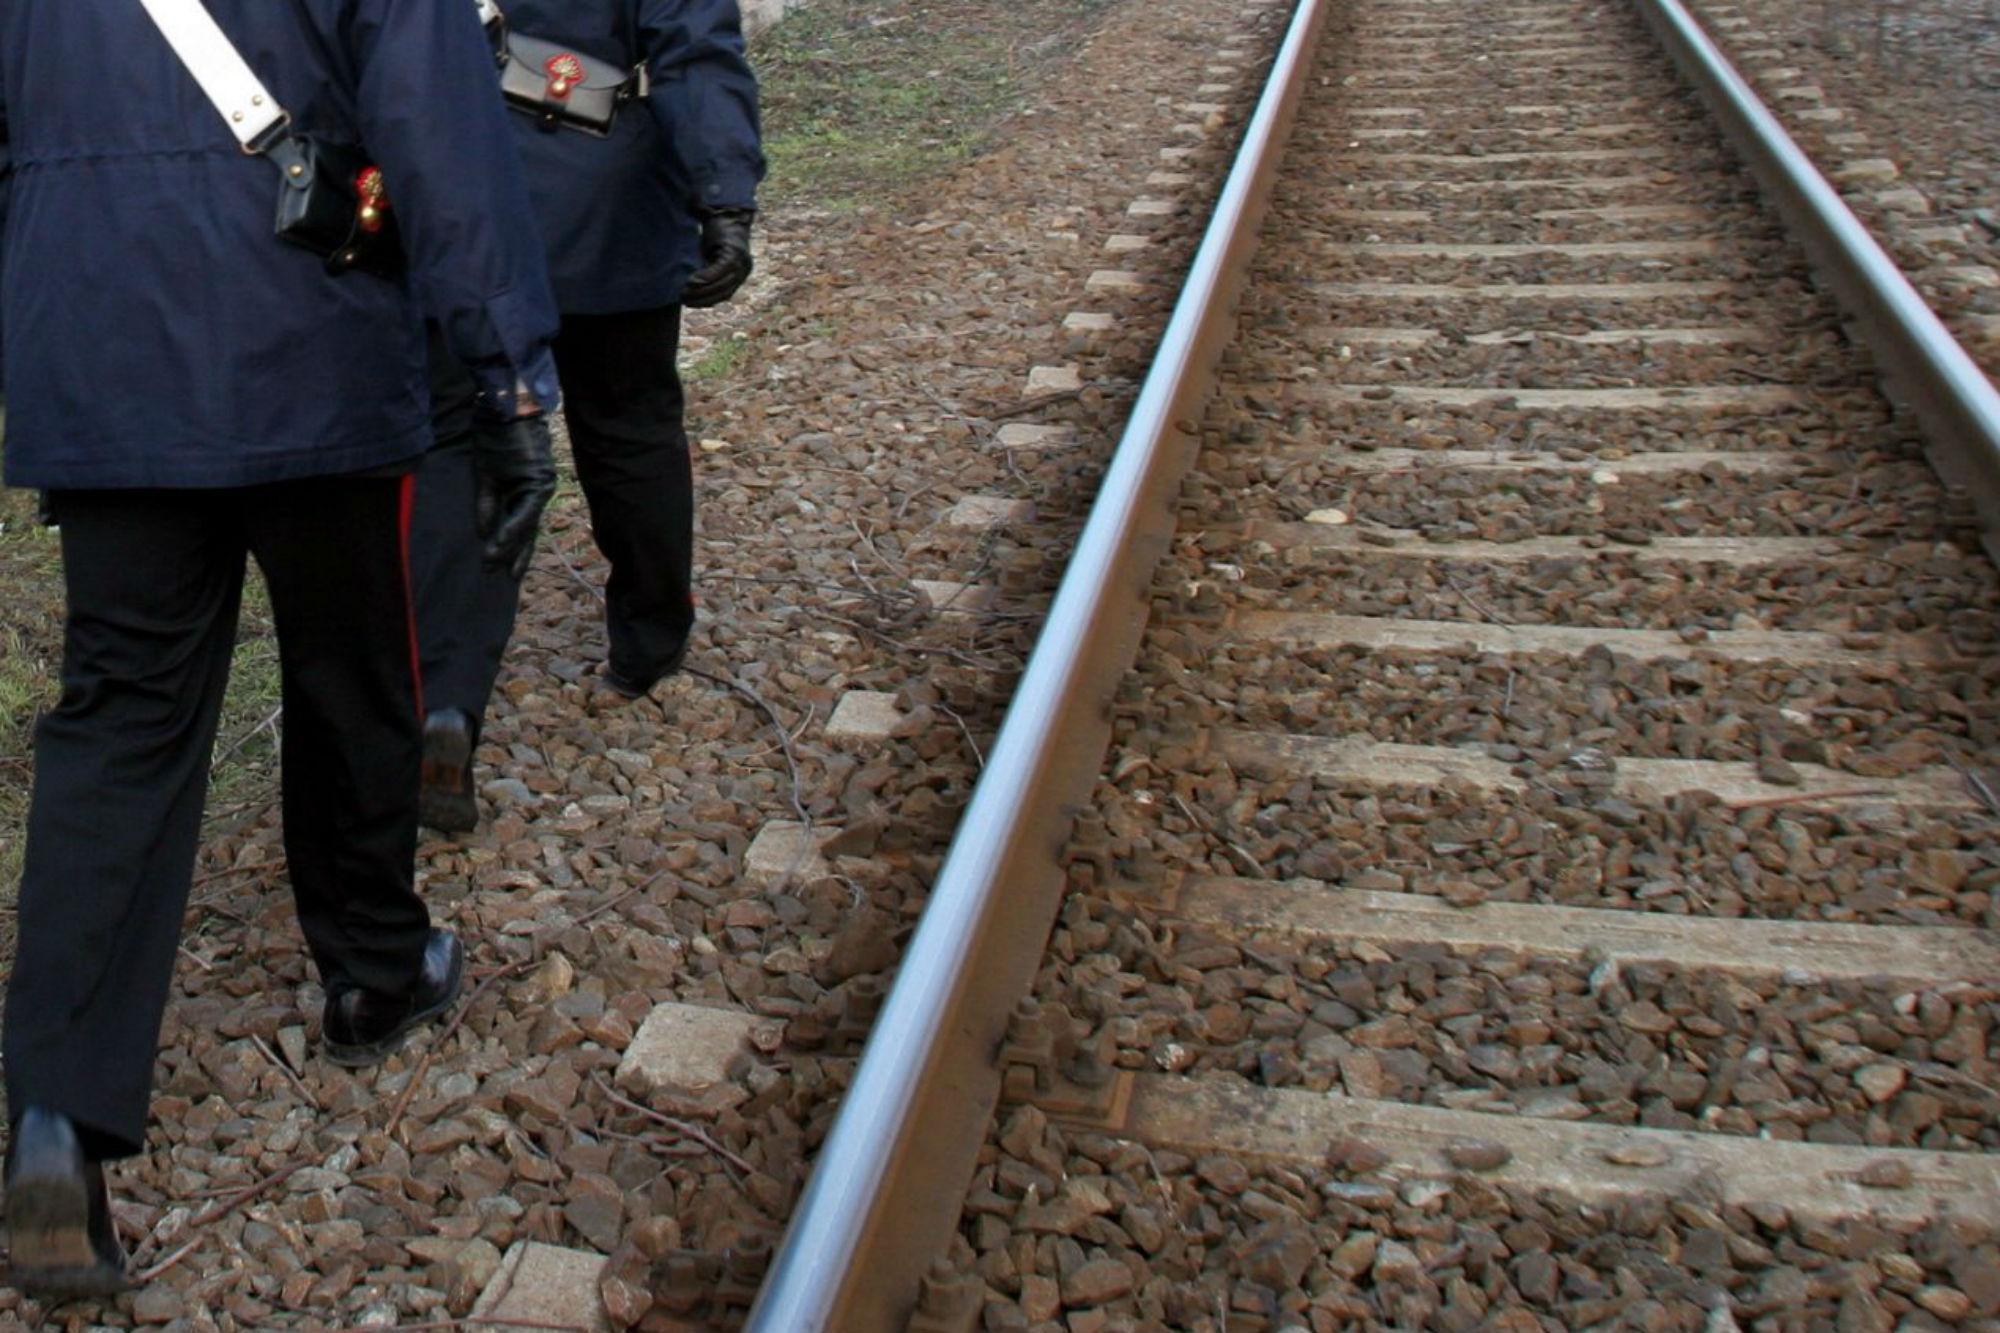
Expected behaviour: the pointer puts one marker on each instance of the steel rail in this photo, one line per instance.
(885, 1193)
(1925, 367)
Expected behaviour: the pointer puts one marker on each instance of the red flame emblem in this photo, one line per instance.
(565, 72)
(372, 196)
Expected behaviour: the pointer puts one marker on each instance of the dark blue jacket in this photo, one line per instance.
(619, 213)
(156, 333)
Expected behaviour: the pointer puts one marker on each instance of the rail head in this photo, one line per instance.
(1925, 366)
(884, 1196)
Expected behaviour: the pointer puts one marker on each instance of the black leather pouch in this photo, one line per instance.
(564, 88)
(331, 201)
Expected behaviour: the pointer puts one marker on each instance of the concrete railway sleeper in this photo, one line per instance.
(1539, 870)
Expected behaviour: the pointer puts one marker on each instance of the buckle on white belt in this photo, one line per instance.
(261, 141)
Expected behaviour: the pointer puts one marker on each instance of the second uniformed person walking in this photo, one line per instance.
(645, 194)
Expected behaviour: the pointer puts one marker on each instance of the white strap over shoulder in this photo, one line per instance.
(249, 110)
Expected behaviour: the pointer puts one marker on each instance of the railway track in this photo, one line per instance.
(1542, 868)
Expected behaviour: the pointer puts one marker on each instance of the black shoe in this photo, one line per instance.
(640, 685)
(625, 687)
(444, 795)
(364, 1026)
(60, 1238)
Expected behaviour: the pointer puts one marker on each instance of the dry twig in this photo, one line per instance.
(1477, 605)
(978, 755)
(147, 1275)
(483, 1321)
(215, 1211)
(457, 1019)
(264, 869)
(1255, 866)
(784, 736)
(286, 1070)
(1028, 405)
(229, 751)
(1980, 787)
(1807, 797)
(685, 1128)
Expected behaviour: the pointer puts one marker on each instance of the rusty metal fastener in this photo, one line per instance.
(948, 1303)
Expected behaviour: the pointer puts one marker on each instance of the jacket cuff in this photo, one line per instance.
(726, 185)
(503, 384)
(504, 341)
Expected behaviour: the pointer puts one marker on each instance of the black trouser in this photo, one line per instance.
(623, 402)
(154, 581)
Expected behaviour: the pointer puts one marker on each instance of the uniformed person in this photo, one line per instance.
(653, 217)
(191, 391)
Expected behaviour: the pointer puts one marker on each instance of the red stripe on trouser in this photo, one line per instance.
(406, 508)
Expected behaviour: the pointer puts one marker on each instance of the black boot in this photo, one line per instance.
(639, 684)
(363, 1026)
(444, 796)
(59, 1229)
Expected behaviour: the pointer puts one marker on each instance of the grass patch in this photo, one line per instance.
(720, 360)
(864, 102)
(30, 658)
(244, 771)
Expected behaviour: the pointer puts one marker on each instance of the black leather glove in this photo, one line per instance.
(514, 466)
(725, 256)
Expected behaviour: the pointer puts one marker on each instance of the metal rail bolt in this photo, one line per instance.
(1094, 1062)
(948, 1302)
(1088, 855)
(1028, 1059)
(685, 1284)
(860, 1002)
(743, 1265)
